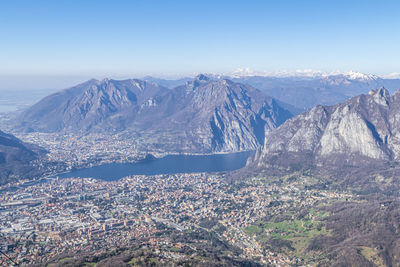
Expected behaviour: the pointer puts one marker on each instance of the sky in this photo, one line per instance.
(47, 42)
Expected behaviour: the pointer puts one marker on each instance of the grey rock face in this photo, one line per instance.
(210, 115)
(227, 116)
(366, 127)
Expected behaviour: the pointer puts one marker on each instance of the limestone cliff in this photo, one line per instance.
(364, 128)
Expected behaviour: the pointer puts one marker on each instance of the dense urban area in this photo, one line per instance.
(77, 151)
(174, 217)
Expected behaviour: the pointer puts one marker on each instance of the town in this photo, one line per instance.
(84, 216)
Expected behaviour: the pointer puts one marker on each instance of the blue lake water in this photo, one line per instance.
(167, 165)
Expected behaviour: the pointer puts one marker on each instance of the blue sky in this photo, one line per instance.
(135, 38)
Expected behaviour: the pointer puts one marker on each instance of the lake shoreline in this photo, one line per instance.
(215, 162)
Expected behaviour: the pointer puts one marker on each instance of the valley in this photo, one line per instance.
(312, 194)
(199, 133)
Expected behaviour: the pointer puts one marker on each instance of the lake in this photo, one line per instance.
(170, 164)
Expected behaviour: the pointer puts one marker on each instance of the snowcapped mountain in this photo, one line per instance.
(306, 73)
(354, 75)
(304, 89)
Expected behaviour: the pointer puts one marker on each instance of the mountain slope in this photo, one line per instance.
(15, 158)
(203, 115)
(363, 129)
(93, 104)
(223, 115)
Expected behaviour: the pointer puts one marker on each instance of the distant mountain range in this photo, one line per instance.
(16, 158)
(306, 89)
(169, 83)
(307, 92)
(210, 115)
(364, 129)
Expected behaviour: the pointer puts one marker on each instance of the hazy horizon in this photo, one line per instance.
(58, 82)
(99, 39)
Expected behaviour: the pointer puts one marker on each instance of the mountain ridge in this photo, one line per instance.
(366, 128)
(80, 105)
(210, 115)
(304, 89)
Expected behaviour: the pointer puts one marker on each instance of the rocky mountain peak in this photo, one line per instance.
(199, 80)
(381, 96)
(86, 105)
(382, 92)
(210, 115)
(105, 80)
(364, 128)
(202, 77)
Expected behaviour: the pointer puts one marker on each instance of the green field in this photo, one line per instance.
(290, 237)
